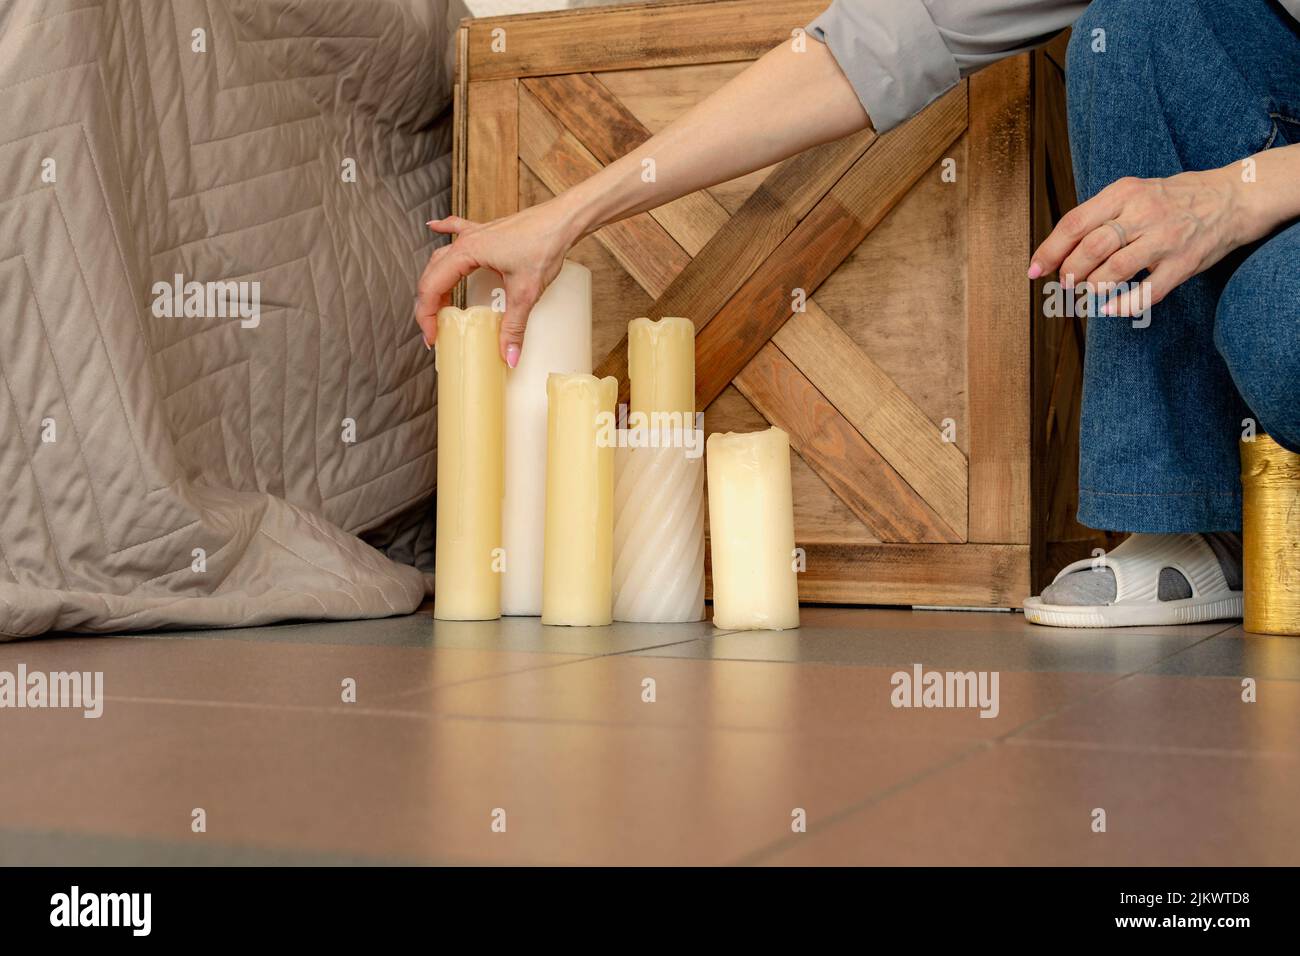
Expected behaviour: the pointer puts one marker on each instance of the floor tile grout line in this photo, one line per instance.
(427, 688)
(838, 817)
(984, 747)
(1153, 749)
(1105, 688)
(346, 710)
(572, 658)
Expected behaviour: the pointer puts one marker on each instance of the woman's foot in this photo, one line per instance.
(1149, 579)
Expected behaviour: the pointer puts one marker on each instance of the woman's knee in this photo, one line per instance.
(1111, 27)
(1257, 331)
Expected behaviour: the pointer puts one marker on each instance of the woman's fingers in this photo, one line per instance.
(522, 293)
(1093, 250)
(1125, 263)
(1164, 278)
(446, 267)
(1078, 223)
(452, 226)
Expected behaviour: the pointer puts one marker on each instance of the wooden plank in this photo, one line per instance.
(591, 113)
(640, 35)
(1056, 139)
(915, 331)
(459, 126)
(998, 369)
(459, 133)
(660, 94)
(595, 117)
(868, 398)
(821, 240)
(764, 221)
(961, 575)
(1056, 47)
(639, 244)
(819, 514)
(851, 467)
(492, 149)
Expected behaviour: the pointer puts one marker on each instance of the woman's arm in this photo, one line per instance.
(1175, 227)
(792, 98)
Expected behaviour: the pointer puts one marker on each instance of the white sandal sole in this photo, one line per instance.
(1193, 610)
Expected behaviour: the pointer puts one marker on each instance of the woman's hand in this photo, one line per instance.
(1175, 228)
(757, 118)
(527, 249)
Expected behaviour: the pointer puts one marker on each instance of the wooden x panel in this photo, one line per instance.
(592, 127)
(849, 392)
(640, 244)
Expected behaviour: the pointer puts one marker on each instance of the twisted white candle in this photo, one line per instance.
(659, 532)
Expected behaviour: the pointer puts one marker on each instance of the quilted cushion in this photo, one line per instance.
(212, 470)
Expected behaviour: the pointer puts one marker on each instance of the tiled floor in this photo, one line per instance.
(548, 729)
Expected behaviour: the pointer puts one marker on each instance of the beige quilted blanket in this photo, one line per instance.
(211, 224)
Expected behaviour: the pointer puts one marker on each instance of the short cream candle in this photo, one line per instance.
(557, 339)
(471, 402)
(661, 368)
(751, 531)
(578, 568)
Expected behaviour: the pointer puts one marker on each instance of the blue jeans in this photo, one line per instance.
(1186, 85)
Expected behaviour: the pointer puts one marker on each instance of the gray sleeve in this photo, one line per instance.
(902, 55)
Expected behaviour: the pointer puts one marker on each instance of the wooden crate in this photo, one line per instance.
(932, 418)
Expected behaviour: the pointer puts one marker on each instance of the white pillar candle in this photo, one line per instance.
(751, 531)
(659, 529)
(578, 567)
(471, 403)
(557, 339)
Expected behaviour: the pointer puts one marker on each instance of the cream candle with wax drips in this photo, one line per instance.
(751, 531)
(471, 402)
(578, 551)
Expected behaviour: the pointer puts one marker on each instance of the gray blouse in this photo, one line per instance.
(901, 55)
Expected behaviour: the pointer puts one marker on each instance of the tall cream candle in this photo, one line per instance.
(661, 366)
(471, 401)
(751, 531)
(578, 567)
(557, 339)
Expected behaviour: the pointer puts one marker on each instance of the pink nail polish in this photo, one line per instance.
(512, 355)
(1035, 270)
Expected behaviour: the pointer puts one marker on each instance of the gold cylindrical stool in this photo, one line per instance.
(1270, 483)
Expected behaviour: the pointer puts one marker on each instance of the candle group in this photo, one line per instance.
(544, 507)
(471, 413)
